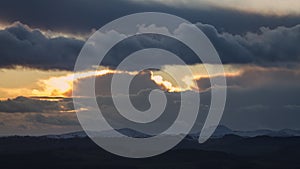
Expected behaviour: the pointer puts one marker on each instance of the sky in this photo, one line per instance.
(257, 41)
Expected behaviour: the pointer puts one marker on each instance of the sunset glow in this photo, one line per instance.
(63, 85)
(164, 83)
(60, 60)
(60, 83)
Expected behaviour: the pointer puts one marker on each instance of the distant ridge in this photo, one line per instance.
(220, 132)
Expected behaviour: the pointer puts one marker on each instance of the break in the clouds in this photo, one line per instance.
(21, 45)
(267, 7)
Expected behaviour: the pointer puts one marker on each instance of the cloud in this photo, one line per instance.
(254, 108)
(247, 108)
(28, 105)
(20, 45)
(80, 16)
(140, 82)
(253, 77)
(293, 107)
(267, 46)
(22, 127)
(38, 123)
(259, 97)
(262, 108)
(267, 7)
(60, 120)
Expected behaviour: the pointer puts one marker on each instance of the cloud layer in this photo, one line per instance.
(79, 16)
(267, 7)
(266, 46)
(29, 105)
(20, 45)
(258, 97)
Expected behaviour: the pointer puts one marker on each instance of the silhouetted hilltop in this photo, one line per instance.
(230, 151)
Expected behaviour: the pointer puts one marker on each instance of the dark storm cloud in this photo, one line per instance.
(146, 41)
(19, 45)
(82, 16)
(266, 46)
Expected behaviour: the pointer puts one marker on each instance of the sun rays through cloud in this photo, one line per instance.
(60, 83)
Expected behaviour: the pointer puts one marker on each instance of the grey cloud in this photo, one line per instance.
(140, 82)
(81, 16)
(276, 78)
(22, 127)
(292, 107)
(260, 98)
(261, 108)
(247, 108)
(268, 105)
(254, 108)
(20, 45)
(256, 77)
(53, 119)
(264, 47)
(26, 105)
(276, 45)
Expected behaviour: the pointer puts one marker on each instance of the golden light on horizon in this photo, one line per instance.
(182, 78)
(39, 83)
(36, 83)
(62, 86)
